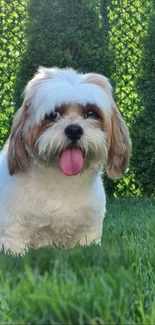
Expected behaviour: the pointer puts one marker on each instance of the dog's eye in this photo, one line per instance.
(91, 114)
(51, 116)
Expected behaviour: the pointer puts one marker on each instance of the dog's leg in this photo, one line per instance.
(87, 241)
(90, 238)
(13, 240)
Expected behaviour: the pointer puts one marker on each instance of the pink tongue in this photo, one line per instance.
(71, 161)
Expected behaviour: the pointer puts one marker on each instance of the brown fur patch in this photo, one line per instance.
(77, 111)
(18, 158)
(119, 146)
(101, 81)
(35, 132)
(73, 111)
(118, 140)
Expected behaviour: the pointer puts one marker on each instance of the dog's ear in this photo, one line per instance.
(118, 140)
(18, 158)
(119, 146)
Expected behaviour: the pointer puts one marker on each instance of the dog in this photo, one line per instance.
(67, 132)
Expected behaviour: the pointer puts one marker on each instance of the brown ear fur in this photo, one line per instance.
(119, 146)
(18, 158)
(118, 140)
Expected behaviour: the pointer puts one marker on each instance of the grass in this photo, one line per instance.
(111, 284)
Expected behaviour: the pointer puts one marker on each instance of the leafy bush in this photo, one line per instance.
(91, 35)
(144, 128)
(63, 33)
(12, 25)
(128, 25)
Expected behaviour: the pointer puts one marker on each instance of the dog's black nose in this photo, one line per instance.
(74, 131)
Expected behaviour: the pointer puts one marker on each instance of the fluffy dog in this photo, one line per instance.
(51, 189)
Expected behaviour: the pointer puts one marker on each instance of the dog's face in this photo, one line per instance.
(70, 120)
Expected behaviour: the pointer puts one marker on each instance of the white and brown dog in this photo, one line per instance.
(51, 189)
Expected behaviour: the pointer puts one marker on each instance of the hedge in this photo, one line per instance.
(143, 131)
(63, 33)
(104, 36)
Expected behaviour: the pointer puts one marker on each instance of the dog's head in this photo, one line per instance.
(70, 119)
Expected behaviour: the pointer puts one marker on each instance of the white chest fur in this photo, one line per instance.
(44, 206)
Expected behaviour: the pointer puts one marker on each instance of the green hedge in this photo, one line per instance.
(104, 36)
(12, 45)
(143, 131)
(128, 25)
(63, 33)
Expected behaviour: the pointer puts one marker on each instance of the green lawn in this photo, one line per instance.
(111, 284)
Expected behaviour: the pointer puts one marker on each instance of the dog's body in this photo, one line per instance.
(39, 205)
(50, 208)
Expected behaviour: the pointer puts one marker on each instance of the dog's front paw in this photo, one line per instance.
(13, 247)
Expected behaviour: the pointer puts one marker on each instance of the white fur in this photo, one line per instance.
(55, 87)
(42, 206)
